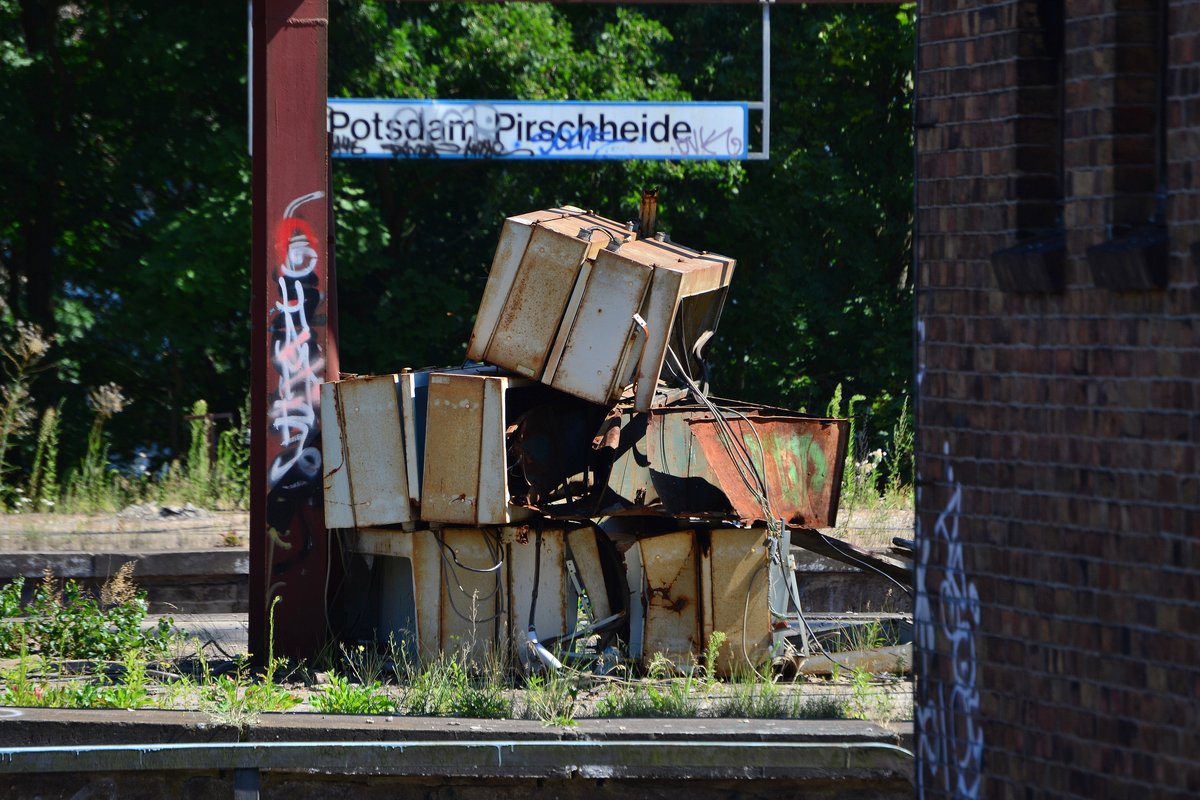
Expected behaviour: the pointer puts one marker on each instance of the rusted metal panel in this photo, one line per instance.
(673, 607)
(698, 582)
(365, 466)
(801, 460)
(454, 417)
(514, 239)
(556, 602)
(492, 505)
(586, 555)
(738, 598)
(427, 580)
(673, 462)
(892, 658)
(449, 605)
(472, 588)
(379, 542)
(466, 466)
(414, 389)
(339, 507)
(472, 604)
(529, 323)
(600, 339)
(681, 309)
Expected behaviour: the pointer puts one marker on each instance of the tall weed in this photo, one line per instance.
(20, 361)
(93, 486)
(43, 478)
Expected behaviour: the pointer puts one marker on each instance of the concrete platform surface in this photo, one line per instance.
(47, 752)
(27, 727)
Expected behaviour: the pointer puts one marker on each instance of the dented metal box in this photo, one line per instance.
(577, 302)
(465, 477)
(700, 581)
(469, 590)
(532, 281)
(364, 454)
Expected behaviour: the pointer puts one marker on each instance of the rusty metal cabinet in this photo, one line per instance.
(533, 279)
(577, 302)
(365, 464)
(698, 582)
(469, 590)
(465, 477)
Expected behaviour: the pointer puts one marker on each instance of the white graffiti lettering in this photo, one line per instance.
(709, 142)
(949, 732)
(296, 357)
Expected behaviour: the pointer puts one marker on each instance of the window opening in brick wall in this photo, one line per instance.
(1037, 262)
(1135, 255)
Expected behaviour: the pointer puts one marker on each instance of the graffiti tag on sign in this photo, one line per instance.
(509, 129)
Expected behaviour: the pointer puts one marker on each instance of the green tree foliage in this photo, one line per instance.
(124, 220)
(124, 227)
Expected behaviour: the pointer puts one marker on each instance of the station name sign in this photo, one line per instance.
(515, 130)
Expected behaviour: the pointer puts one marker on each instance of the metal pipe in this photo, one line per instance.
(766, 85)
(648, 214)
(764, 105)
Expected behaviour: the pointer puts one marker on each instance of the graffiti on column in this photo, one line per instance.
(951, 739)
(294, 474)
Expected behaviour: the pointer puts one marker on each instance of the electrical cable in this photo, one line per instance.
(743, 461)
(454, 554)
(450, 571)
(746, 620)
(605, 231)
(545, 656)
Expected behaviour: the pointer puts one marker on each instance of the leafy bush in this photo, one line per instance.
(69, 623)
(343, 697)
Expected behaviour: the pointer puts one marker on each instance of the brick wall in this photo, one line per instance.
(1058, 423)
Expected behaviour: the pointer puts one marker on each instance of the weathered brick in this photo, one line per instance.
(1070, 419)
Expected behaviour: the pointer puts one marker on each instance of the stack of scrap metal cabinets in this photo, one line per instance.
(573, 490)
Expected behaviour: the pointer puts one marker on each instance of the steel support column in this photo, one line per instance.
(293, 345)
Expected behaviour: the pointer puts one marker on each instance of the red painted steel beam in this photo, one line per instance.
(293, 345)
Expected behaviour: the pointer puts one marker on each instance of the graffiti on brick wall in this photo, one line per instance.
(950, 750)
